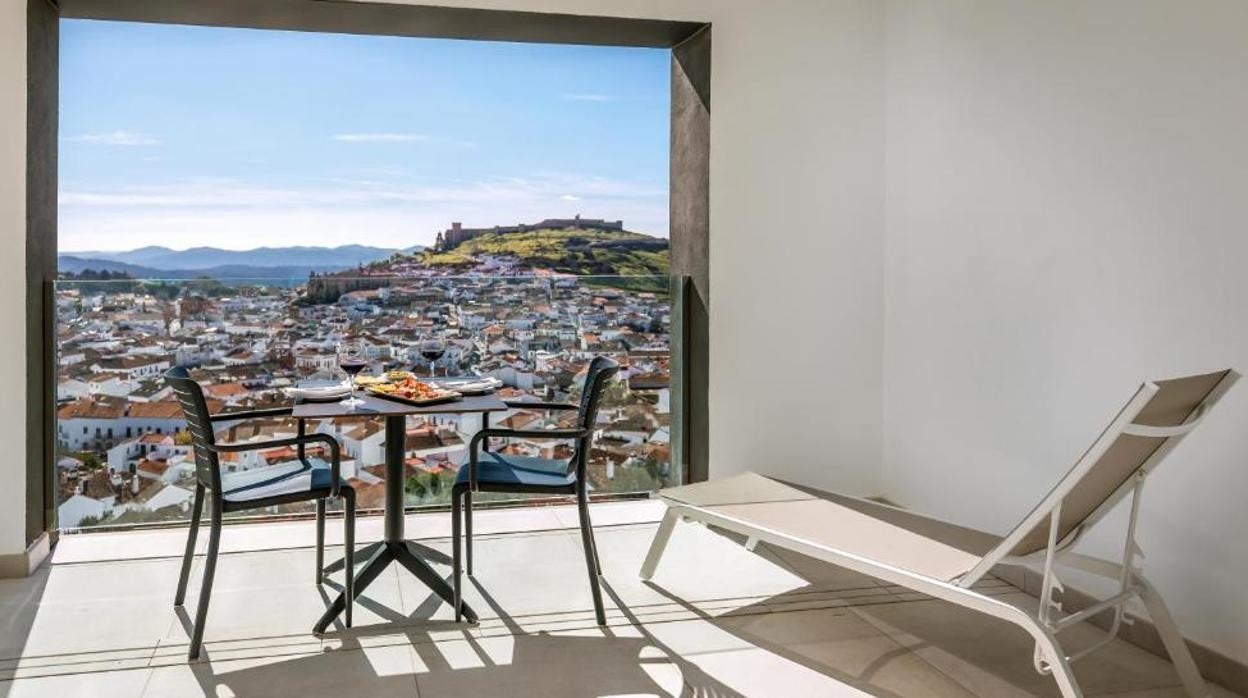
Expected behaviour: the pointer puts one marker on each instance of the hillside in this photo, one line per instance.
(572, 251)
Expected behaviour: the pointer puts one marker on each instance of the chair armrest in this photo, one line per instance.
(300, 441)
(474, 446)
(251, 414)
(529, 405)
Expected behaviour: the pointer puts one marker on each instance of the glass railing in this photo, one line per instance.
(124, 456)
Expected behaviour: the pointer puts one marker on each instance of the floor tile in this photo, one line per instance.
(991, 657)
(356, 672)
(716, 620)
(104, 684)
(547, 665)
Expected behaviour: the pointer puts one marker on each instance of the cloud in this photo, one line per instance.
(381, 137)
(234, 213)
(126, 138)
(582, 97)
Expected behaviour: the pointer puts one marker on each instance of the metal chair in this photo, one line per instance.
(251, 490)
(495, 472)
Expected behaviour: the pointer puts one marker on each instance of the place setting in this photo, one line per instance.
(398, 385)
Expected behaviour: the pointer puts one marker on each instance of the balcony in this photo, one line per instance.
(717, 620)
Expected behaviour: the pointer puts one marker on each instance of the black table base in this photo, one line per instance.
(394, 547)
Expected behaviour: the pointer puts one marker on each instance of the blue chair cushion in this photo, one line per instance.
(497, 470)
(281, 480)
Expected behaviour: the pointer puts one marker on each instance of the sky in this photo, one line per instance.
(237, 138)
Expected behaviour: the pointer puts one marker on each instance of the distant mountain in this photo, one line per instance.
(76, 265)
(157, 262)
(209, 258)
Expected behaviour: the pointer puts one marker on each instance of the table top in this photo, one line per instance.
(381, 407)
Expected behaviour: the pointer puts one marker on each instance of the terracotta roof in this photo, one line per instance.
(520, 420)
(155, 467)
(127, 362)
(99, 486)
(90, 408)
(163, 409)
(225, 390)
(368, 496)
(363, 430)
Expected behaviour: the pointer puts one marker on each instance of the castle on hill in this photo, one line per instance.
(457, 233)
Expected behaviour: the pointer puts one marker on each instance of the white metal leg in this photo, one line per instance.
(1176, 646)
(659, 544)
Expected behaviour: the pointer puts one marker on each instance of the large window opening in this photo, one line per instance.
(241, 201)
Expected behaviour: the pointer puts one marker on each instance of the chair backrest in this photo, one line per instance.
(1153, 421)
(198, 424)
(597, 377)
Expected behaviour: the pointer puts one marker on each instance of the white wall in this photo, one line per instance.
(13, 274)
(1066, 216)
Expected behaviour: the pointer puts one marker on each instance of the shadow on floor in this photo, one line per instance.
(983, 655)
(21, 599)
(451, 662)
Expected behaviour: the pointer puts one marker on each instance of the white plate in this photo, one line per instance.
(471, 385)
(319, 389)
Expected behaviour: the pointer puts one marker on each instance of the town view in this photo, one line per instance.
(526, 304)
(242, 202)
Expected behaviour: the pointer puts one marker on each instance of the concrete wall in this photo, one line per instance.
(12, 275)
(1065, 217)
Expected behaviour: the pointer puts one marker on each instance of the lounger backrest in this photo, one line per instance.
(1137, 438)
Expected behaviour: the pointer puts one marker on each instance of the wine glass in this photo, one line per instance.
(351, 360)
(431, 349)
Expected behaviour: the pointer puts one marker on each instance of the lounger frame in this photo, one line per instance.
(1050, 619)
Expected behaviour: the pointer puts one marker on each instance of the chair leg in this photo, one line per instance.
(591, 554)
(320, 541)
(348, 556)
(468, 529)
(455, 529)
(197, 510)
(205, 589)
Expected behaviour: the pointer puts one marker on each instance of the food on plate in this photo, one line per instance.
(397, 375)
(411, 389)
(370, 380)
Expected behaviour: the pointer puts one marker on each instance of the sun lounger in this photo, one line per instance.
(945, 560)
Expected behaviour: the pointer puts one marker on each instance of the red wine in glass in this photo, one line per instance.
(431, 350)
(351, 360)
(352, 366)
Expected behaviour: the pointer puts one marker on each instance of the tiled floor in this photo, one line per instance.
(716, 621)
